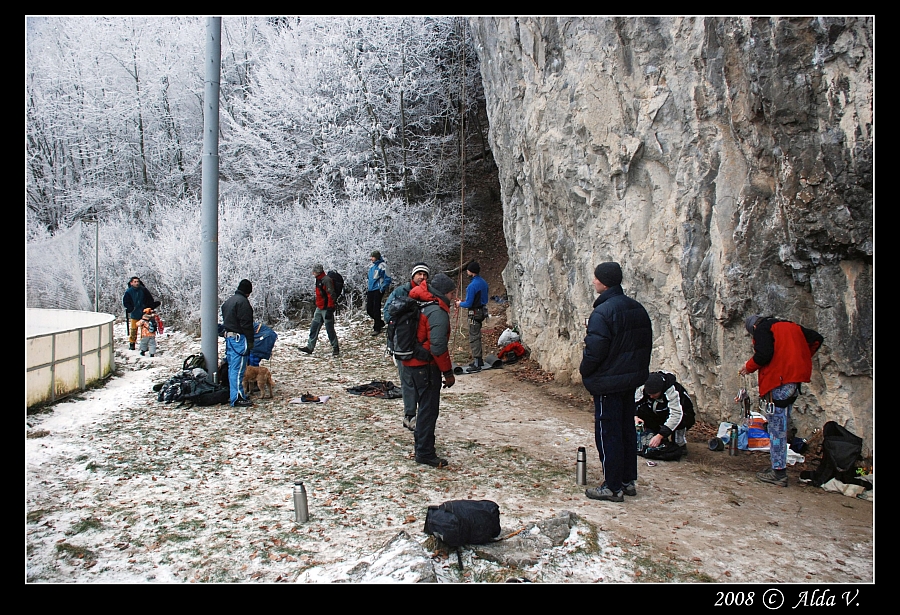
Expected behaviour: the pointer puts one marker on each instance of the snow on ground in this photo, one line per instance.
(121, 488)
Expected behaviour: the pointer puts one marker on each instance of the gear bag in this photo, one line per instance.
(464, 522)
(403, 329)
(841, 449)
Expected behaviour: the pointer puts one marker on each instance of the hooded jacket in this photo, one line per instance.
(617, 347)
(434, 328)
(782, 353)
(324, 291)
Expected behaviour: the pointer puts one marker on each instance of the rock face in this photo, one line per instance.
(726, 163)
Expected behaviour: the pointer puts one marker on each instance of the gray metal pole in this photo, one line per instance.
(209, 214)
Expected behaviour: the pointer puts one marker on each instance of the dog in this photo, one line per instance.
(261, 376)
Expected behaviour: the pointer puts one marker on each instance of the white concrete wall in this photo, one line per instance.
(65, 351)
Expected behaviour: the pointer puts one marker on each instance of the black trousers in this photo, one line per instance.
(373, 309)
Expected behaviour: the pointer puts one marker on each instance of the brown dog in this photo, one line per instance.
(261, 376)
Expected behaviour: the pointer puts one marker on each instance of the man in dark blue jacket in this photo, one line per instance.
(237, 320)
(616, 361)
(476, 303)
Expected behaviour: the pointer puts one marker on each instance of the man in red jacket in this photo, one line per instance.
(422, 373)
(782, 353)
(324, 314)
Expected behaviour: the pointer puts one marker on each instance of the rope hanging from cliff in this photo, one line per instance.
(462, 161)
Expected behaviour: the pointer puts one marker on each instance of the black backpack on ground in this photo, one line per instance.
(464, 522)
(841, 449)
(403, 328)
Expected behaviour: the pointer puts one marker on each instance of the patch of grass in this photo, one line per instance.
(91, 523)
(667, 570)
(70, 550)
(34, 516)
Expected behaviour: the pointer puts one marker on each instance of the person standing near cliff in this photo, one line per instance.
(782, 353)
(476, 303)
(615, 362)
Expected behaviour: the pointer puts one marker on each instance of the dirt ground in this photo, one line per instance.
(707, 510)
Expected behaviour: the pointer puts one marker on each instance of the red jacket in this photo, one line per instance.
(324, 291)
(434, 328)
(783, 353)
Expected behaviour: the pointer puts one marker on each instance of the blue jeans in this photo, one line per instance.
(236, 355)
(778, 425)
(616, 438)
(321, 316)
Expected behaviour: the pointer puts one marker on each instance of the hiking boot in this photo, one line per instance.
(336, 353)
(629, 489)
(242, 403)
(143, 353)
(130, 346)
(410, 422)
(306, 349)
(773, 477)
(434, 462)
(473, 367)
(376, 333)
(605, 493)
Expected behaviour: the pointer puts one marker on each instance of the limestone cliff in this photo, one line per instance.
(726, 163)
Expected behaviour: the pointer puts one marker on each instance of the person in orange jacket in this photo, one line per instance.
(782, 354)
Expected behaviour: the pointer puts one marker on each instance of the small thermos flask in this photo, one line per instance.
(581, 467)
(301, 509)
(640, 436)
(733, 440)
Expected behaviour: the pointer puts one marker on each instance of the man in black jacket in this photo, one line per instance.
(616, 361)
(136, 298)
(237, 318)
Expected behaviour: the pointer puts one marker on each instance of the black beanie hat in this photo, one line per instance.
(609, 274)
(443, 284)
(474, 267)
(655, 384)
(245, 286)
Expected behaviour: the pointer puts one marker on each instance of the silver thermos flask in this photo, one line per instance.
(581, 467)
(301, 508)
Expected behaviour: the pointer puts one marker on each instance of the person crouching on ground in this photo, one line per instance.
(664, 409)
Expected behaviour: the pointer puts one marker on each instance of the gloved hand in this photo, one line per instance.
(329, 313)
(449, 379)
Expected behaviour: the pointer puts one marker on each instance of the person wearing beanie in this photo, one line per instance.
(419, 273)
(615, 362)
(237, 320)
(378, 283)
(782, 354)
(476, 303)
(324, 314)
(423, 372)
(665, 410)
(148, 328)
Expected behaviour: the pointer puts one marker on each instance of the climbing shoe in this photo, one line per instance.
(307, 397)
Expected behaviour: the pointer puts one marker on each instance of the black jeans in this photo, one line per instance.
(425, 384)
(373, 309)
